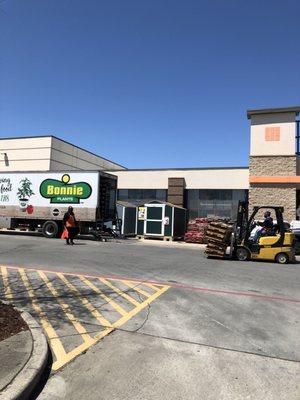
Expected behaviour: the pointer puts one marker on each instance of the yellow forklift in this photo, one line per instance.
(278, 245)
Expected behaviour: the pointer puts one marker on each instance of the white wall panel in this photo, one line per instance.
(195, 179)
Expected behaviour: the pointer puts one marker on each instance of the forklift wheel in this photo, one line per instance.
(242, 254)
(282, 258)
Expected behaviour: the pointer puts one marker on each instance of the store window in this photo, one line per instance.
(138, 196)
(214, 203)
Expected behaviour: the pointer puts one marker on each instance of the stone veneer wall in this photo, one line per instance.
(273, 165)
(274, 194)
(268, 194)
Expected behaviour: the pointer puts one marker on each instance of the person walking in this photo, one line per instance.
(70, 223)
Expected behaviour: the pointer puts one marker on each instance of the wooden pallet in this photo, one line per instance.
(213, 235)
(220, 225)
(218, 237)
(164, 238)
(217, 230)
(213, 239)
(215, 253)
(219, 246)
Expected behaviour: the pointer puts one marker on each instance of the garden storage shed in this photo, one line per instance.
(160, 219)
(127, 214)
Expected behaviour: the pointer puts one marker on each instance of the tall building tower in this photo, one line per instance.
(274, 166)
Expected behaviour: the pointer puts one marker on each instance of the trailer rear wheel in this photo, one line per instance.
(50, 229)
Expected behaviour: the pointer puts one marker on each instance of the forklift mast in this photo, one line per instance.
(241, 221)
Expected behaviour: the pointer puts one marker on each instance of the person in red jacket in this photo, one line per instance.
(70, 224)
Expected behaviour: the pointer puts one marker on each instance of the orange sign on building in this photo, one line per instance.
(272, 134)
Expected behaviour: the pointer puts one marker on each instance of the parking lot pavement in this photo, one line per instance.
(76, 311)
(192, 345)
(155, 262)
(221, 330)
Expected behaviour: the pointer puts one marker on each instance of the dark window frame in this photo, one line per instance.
(298, 137)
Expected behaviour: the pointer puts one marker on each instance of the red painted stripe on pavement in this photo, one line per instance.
(171, 284)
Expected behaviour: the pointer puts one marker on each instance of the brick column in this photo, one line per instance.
(176, 187)
(273, 165)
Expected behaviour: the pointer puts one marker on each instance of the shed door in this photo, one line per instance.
(154, 220)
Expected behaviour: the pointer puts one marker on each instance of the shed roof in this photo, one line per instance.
(164, 202)
(126, 204)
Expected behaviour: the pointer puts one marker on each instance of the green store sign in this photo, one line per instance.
(64, 192)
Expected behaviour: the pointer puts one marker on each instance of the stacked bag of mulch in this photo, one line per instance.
(196, 231)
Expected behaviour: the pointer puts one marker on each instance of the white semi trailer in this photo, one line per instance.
(38, 200)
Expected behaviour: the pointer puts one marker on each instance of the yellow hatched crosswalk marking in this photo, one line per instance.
(41, 306)
(7, 290)
(109, 300)
(77, 325)
(78, 350)
(151, 286)
(56, 345)
(134, 286)
(136, 310)
(96, 314)
(119, 292)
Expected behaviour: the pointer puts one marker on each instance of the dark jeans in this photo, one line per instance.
(72, 233)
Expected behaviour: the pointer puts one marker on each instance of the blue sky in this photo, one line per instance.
(147, 83)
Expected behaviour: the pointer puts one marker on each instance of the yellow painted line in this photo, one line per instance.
(77, 325)
(134, 286)
(119, 292)
(7, 290)
(114, 278)
(136, 310)
(96, 314)
(59, 352)
(116, 306)
(151, 286)
(78, 350)
(56, 344)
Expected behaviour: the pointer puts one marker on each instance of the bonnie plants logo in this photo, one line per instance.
(63, 191)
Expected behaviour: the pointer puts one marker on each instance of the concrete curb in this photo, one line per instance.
(178, 244)
(25, 382)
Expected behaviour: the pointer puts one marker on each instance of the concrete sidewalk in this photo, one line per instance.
(23, 360)
(15, 352)
(134, 366)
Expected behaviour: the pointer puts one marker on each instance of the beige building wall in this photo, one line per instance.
(229, 178)
(67, 156)
(273, 159)
(25, 154)
(285, 125)
(48, 153)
